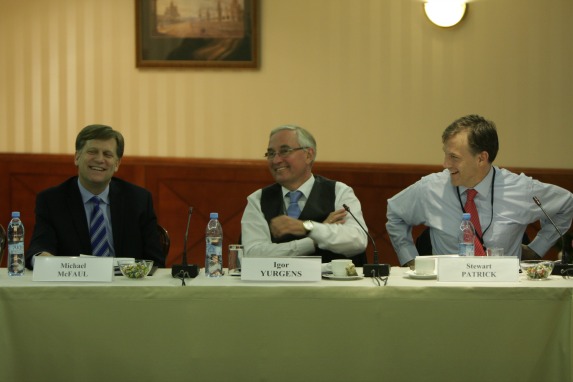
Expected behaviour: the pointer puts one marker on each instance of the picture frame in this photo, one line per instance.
(197, 33)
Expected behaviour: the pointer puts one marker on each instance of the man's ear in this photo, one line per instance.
(310, 154)
(484, 157)
(117, 165)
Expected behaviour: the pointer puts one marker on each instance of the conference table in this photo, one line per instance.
(228, 329)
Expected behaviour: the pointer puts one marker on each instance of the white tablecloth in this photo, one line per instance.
(226, 329)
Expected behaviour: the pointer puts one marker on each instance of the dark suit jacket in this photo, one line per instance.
(62, 226)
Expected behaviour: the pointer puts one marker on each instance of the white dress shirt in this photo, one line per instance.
(433, 201)
(347, 239)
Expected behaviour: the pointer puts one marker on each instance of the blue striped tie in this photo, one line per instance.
(98, 233)
(293, 209)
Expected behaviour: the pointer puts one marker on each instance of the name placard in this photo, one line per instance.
(281, 268)
(61, 268)
(479, 268)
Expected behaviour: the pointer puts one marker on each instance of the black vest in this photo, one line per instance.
(319, 205)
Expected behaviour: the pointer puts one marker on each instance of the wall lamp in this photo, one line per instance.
(445, 13)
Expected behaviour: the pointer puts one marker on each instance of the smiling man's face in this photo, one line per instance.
(466, 169)
(97, 161)
(294, 169)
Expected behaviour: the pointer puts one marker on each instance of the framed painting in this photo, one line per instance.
(197, 33)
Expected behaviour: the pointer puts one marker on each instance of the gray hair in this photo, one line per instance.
(304, 138)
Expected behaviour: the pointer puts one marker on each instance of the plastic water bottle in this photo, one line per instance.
(15, 262)
(466, 236)
(214, 247)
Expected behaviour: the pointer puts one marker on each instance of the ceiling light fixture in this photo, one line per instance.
(445, 13)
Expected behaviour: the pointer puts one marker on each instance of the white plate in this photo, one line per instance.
(333, 277)
(413, 275)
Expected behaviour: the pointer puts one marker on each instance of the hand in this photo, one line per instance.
(44, 254)
(528, 254)
(336, 217)
(284, 225)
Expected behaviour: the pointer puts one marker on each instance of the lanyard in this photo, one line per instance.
(491, 219)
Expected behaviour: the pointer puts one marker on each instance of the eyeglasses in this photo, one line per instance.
(283, 153)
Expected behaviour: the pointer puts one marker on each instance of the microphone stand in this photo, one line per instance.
(371, 270)
(184, 270)
(565, 264)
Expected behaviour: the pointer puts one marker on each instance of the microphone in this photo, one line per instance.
(565, 257)
(185, 270)
(376, 269)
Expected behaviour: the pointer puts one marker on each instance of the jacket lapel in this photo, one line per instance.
(115, 204)
(78, 212)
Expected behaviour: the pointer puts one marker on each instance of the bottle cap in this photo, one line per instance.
(214, 215)
(15, 214)
(466, 216)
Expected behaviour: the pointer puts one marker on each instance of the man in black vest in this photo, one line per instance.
(301, 214)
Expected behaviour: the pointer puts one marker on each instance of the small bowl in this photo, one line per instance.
(137, 269)
(537, 269)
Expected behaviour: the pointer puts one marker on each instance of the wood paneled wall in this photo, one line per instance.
(219, 186)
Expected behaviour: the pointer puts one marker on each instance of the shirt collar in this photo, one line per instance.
(86, 195)
(305, 188)
(484, 187)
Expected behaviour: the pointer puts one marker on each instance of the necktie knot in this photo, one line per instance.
(294, 196)
(471, 194)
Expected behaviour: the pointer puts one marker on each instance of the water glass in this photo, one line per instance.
(235, 257)
(494, 252)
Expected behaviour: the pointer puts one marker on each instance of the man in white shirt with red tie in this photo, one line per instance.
(504, 200)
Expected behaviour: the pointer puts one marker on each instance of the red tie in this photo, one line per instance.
(471, 208)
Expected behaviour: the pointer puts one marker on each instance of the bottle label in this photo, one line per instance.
(214, 257)
(16, 248)
(15, 263)
(466, 249)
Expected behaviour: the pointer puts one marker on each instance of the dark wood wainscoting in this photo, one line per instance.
(219, 186)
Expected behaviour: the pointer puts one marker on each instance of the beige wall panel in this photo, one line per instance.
(374, 80)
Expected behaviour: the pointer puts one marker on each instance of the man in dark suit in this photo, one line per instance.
(66, 215)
